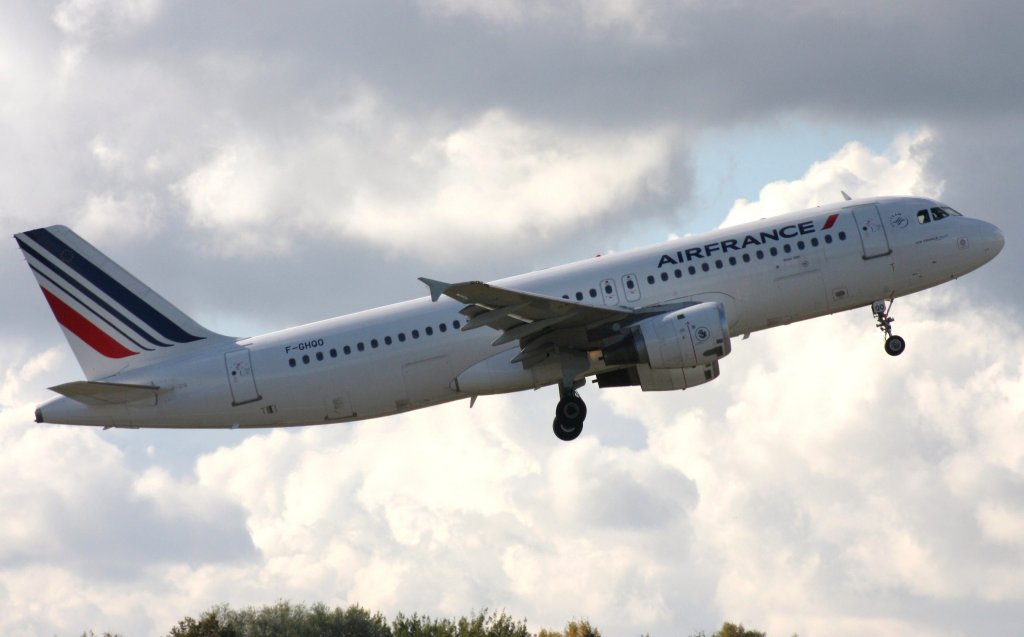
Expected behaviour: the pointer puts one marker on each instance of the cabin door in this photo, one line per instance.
(872, 232)
(240, 377)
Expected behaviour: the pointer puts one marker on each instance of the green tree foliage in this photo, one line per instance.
(574, 628)
(285, 619)
(208, 625)
(734, 630)
(479, 625)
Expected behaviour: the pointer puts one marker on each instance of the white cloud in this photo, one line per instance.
(119, 217)
(900, 170)
(471, 188)
(825, 483)
(517, 180)
(84, 17)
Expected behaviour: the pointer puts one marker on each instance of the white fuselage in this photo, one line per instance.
(410, 355)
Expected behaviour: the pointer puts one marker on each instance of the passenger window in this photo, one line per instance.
(650, 279)
(705, 267)
(401, 337)
(607, 289)
(291, 362)
(842, 235)
(319, 356)
(387, 340)
(360, 346)
(773, 251)
(760, 254)
(692, 270)
(415, 333)
(429, 330)
(579, 297)
(678, 273)
(732, 260)
(814, 242)
(593, 293)
(828, 238)
(800, 245)
(787, 248)
(456, 325)
(746, 258)
(664, 276)
(373, 343)
(305, 359)
(630, 284)
(347, 350)
(443, 327)
(334, 353)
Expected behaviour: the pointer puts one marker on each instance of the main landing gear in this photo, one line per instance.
(894, 345)
(570, 413)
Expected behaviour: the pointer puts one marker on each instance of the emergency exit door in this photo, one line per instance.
(240, 377)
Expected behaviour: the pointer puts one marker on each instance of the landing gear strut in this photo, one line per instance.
(570, 413)
(894, 345)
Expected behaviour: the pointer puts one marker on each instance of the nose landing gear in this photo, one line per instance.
(570, 413)
(894, 345)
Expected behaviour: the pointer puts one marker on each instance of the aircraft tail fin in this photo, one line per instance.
(112, 321)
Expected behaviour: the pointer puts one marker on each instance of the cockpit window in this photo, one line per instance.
(923, 216)
(943, 212)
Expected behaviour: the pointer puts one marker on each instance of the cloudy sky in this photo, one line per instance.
(267, 164)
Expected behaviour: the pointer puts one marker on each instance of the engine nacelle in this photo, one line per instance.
(659, 379)
(691, 337)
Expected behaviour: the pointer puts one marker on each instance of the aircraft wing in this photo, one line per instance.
(540, 323)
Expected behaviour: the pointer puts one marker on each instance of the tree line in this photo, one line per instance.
(285, 619)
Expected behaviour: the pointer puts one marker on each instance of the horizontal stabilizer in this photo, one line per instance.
(99, 393)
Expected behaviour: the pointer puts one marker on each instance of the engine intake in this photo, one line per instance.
(691, 337)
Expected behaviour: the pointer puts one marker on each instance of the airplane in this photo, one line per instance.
(660, 317)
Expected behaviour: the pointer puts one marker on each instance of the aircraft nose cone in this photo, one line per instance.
(992, 239)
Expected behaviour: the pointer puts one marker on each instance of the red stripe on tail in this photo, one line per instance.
(831, 221)
(85, 330)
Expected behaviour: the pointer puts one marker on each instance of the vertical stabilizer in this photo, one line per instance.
(112, 321)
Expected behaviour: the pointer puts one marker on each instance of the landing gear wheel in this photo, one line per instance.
(894, 345)
(569, 416)
(565, 433)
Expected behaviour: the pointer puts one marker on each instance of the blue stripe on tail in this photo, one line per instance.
(87, 292)
(112, 288)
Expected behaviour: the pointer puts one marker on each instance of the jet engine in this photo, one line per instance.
(694, 336)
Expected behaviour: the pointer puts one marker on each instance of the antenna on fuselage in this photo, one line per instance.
(846, 196)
